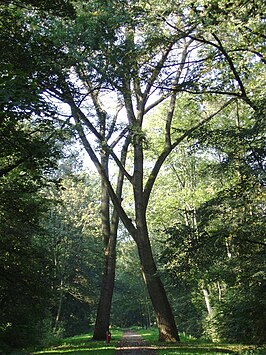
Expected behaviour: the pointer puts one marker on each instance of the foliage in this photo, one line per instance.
(75, 247)
(59, 7)
(217, 242)
(49, 256)
(240, 314)
(29, 153)
(131, 305)
(24, 263)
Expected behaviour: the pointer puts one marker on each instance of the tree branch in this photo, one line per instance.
(116, 159)
(7, 169)
(172, 105)
(116, 201)
(126, 92)
(157, 102)
(112, 126)
(155, 73)
(80, 116)
(232, 66)
(162, 157)
(119, 184)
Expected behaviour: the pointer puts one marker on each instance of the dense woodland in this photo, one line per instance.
(165, 226)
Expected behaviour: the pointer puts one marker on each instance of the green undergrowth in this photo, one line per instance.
(189, 345)
(82, 344)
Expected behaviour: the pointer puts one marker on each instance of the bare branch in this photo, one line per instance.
(231, 64)
(232, 67)
(155, 73)
(157, 102)
(115, 199)
(121, 135)
(203, 91)
(171, 110)
(113, 124)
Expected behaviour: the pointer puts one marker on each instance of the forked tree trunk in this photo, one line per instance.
(164, 315)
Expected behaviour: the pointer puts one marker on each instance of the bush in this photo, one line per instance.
(240, 315)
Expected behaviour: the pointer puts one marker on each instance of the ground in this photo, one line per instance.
(133, 344)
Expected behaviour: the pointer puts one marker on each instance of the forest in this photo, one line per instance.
(132, 169)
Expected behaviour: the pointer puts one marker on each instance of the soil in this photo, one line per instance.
(132, 344)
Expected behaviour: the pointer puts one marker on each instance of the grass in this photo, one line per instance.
(83, 344)
(189, 345)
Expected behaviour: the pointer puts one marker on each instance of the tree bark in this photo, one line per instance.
(105, 302)
(109, 231)
(207, 301)
(59, 308)
(106, 294)
(164, 315)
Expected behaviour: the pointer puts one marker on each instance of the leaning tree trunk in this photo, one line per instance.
(164, 315)
(109, 231)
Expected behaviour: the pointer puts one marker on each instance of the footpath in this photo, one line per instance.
(133, 344)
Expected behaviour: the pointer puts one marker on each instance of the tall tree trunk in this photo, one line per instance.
(109, 231)
(164, 315)
(105, 302)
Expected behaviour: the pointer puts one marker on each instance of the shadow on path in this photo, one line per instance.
(133, 344)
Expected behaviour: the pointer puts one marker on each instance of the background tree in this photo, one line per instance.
(29, 152)
(131, 304)
(75, 244)
(208, 247)
(24, 263)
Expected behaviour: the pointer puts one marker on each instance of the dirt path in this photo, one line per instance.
(133, 344)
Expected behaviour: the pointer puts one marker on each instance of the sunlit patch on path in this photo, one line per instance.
(133, 344)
